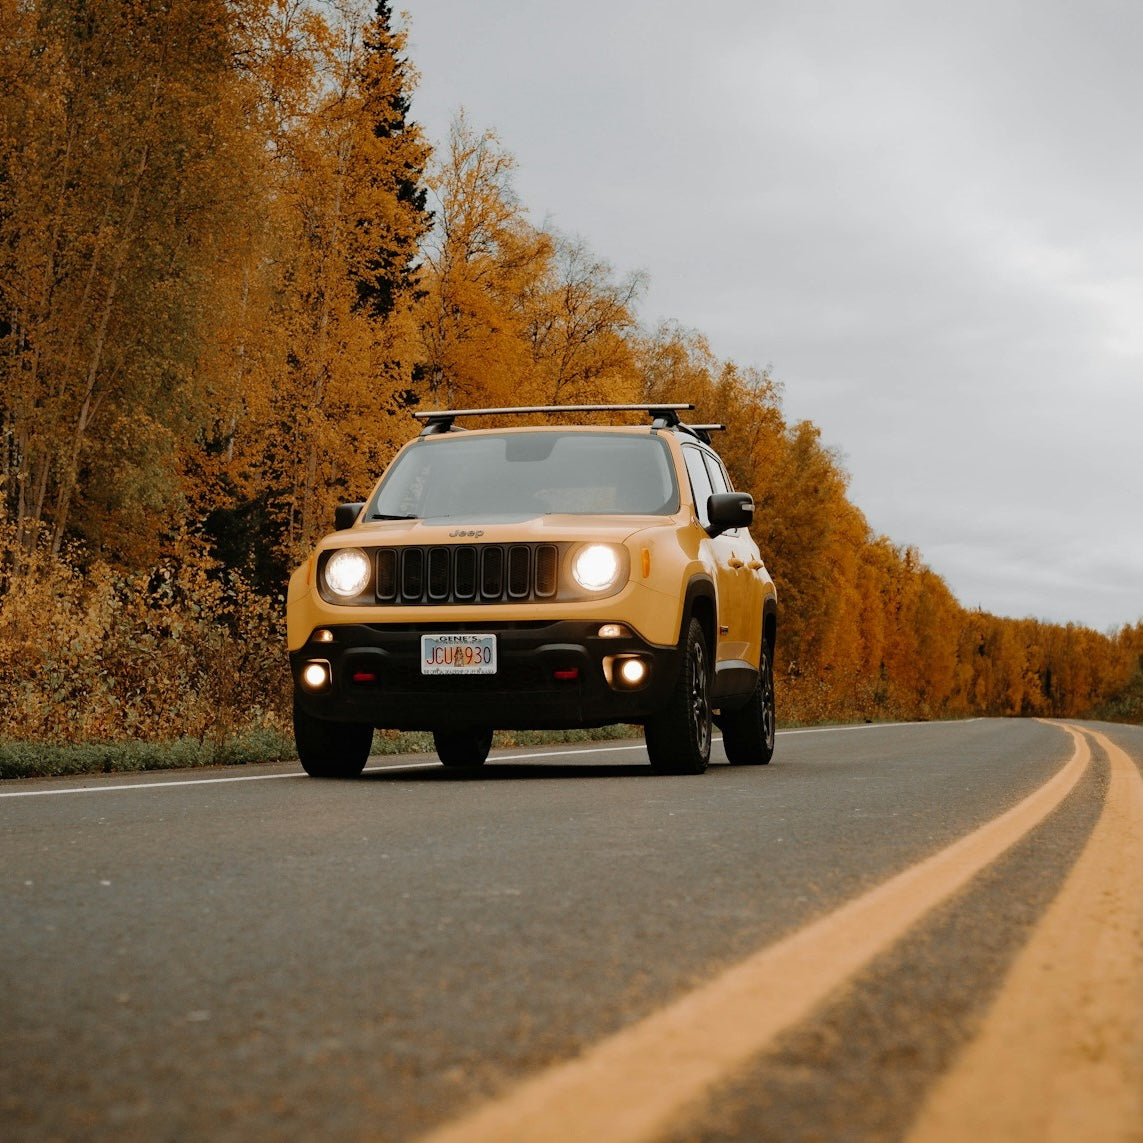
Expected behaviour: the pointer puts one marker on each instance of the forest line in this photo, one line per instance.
(231, 265)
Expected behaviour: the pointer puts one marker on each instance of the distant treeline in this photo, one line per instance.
(230, 266)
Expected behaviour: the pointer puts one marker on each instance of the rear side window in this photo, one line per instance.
(718, 478)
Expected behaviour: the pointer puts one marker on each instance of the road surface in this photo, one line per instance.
(892, 932)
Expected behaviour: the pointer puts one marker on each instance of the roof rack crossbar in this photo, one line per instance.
(441, 420)
(701, 431)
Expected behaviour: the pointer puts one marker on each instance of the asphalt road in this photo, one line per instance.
(251, 954)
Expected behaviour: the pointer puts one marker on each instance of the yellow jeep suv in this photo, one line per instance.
(530, 577)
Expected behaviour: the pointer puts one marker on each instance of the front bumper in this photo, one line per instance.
(550, 675)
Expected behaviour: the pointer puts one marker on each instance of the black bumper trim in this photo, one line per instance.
(533, 689)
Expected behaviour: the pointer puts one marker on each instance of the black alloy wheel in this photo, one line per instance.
(678, 738)
(748, 734)
(331, 749)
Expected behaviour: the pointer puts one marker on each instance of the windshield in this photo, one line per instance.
(529, 474)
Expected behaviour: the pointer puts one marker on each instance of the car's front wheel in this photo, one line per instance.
(331, 749)
(678, 737)
(462, 749)
(748, 733)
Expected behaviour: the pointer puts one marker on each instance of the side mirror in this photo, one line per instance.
(345, 515)
(729, 510)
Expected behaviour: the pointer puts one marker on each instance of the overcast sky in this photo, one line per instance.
(926, 218)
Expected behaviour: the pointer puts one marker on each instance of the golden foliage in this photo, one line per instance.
(512, 314)
(221, 289)
(181, 649)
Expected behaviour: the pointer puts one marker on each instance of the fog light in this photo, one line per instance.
(316, 675)
(633, 672)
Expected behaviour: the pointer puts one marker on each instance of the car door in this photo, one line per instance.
(730, 553)
(745, 561)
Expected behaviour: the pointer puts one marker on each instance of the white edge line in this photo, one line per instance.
(415, 766)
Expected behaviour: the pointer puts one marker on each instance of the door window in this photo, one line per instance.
(700, 482)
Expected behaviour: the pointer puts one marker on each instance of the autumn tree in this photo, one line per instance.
(513, 314)
(580, 323)
(337, 275)
(481, 260)
(122, 170)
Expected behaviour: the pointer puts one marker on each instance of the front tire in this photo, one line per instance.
(748, 733)
(462, 749)
(678, 738)
(331, 749)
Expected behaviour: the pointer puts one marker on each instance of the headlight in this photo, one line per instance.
(347, 572)
(596, 567)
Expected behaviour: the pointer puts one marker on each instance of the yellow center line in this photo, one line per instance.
(1060, 1054)
(633, 1086)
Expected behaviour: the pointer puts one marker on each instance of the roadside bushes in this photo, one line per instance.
(184, 664)
(185, 651)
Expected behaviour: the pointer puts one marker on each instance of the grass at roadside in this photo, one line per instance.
(43, 760)
(40, 760)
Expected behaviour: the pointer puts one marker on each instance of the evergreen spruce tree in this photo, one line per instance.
(395, 161)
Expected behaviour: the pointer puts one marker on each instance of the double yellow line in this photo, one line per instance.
(1060, 1055)
(1069, 1021)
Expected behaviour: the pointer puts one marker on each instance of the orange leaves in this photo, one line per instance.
(513, 314)
(865, 629)
(219, 294)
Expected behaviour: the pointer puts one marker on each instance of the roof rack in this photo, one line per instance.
(702, 431)
(441, 421)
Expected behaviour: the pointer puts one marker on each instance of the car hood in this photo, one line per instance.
(495, 530)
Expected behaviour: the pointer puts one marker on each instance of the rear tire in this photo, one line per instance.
(678, 737)
(331, 749)
(748, 733)
(462, 749)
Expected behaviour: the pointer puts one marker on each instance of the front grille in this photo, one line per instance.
(467, 573)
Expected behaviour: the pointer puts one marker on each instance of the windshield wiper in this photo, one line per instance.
(386, 516)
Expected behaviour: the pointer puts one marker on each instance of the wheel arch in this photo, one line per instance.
(701, 603)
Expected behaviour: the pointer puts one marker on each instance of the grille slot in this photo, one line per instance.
(412, 573)
(519, 572)
(387, 575)
(492, 573)
(439, 561)
(467, 573)
(464, 577)
(547, 570)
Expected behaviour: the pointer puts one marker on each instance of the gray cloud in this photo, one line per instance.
(924, 217)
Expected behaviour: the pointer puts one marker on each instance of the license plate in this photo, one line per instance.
(458, 654)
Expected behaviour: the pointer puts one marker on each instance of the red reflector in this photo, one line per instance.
(567, 674)
(364, 676)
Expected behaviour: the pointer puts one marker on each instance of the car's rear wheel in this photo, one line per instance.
(748, 733)
(463, 749)
(678, 737)
(331, 749)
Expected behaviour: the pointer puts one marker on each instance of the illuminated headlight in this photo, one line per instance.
(597, 567)
(347, 572)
